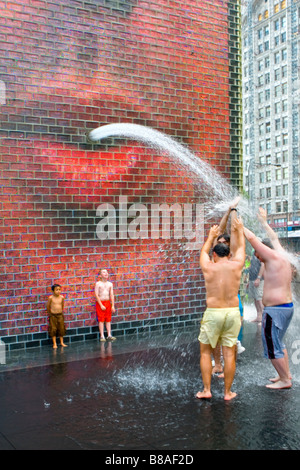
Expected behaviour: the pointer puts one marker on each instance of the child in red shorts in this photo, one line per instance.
(104, 294)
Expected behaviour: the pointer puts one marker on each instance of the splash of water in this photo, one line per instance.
(221, 190)
(221, 194)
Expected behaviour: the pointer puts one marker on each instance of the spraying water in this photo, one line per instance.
(220, 190)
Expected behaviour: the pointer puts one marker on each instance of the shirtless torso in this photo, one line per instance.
(103, 290)
(277, 272)
(222, 282)
(56, 304)
(277, 278)
(222, 275)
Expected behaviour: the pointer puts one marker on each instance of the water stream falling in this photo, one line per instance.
(220, 191)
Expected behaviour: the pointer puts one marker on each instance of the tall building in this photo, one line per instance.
(270, 58)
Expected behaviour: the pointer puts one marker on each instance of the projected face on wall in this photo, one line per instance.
(71, 67)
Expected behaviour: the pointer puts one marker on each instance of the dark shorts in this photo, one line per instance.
(275, 322)
(56, 325)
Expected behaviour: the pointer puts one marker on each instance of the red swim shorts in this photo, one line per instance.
(104, 315)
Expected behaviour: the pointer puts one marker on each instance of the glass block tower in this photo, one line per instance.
(270, 58)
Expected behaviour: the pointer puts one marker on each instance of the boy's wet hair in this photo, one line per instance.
(55, 285)
(221, 249)
(225, 236)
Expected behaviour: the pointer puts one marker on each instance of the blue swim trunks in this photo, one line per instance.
(275, 322)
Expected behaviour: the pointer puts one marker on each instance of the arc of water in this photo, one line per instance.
(156, 139)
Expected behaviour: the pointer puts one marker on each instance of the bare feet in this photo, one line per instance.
(229, 396)
(64, 345)
(275, 379)
(216, 369)
(205, 394)
(280, 384)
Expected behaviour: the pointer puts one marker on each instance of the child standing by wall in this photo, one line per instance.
(55, 308)
(105, 304)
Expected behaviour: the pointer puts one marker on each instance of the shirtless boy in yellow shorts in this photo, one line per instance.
(221, 321)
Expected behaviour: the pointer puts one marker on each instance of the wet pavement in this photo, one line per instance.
(139, 394)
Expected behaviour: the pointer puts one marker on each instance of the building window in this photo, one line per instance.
(267, 78)
(267, 62)
(277, 158)
(278, 174)
(276, 8)
(284, 54)
(284, 105)
(284, 71)
(261, 129)
(283, 4)
(284, 88)
(266, 14)
(277, 141)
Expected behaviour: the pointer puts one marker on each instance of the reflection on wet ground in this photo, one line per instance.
(135, 395)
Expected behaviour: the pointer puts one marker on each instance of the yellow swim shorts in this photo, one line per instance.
(220, 325)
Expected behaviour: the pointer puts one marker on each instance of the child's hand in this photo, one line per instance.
(102, 307)
(237, 224)
(214, 231)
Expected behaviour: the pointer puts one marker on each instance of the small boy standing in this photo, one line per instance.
(55, 308)
(105, 304)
